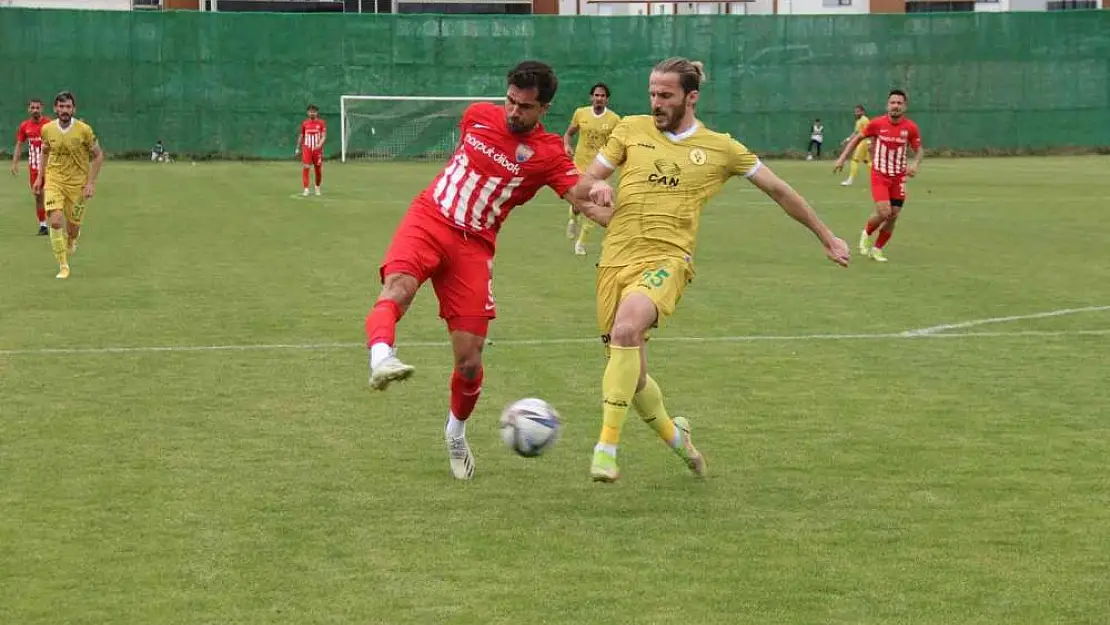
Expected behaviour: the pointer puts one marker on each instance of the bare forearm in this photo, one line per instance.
(796, 206)
(16, 152)
(94, 168)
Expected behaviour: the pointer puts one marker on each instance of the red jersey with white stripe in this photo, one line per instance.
(30, 132)
(495, 170)
(313, 131)
(890, 141)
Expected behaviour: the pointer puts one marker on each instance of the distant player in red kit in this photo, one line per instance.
(891, 135)
(30, 132)
(310, 145)
(449, 233)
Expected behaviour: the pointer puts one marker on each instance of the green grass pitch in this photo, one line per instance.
(246, 474)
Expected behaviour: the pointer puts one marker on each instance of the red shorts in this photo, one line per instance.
(460, 265)
(312, 157)
(34, 175)
(886, 188)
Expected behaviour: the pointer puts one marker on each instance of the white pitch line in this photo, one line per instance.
(541, 342)
(981, 322)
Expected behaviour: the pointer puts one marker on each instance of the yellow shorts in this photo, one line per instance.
(862, 153)
(661, 280)
(70, 199)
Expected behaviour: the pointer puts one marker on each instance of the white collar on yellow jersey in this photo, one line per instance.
(682, 135)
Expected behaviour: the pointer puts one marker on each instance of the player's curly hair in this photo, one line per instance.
(898, 92)
(535, 75)
(65, 96)
(604, 87)
(691, 74)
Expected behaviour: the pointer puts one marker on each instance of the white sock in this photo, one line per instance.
(455, 428)
(379, 352)
(609, 449)
(42, 224)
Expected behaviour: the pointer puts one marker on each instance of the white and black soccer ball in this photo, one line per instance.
(530, 426)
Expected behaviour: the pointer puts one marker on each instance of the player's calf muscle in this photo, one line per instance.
(400, 288)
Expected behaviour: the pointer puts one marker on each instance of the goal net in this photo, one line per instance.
(410, 128)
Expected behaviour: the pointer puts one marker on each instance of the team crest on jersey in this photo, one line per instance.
(697, 156)
(523, 153)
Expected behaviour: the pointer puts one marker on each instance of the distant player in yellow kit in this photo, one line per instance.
(592, 124)
(671, 165)
(862, 153)
(68, 144)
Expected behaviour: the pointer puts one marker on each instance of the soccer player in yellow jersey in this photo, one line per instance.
(863, 150)
(671, 165)
(592, 124)
(68, 144)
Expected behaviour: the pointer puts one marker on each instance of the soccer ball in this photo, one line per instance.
(529, 426)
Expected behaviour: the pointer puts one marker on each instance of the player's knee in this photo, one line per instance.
(884, 210)
(400, 288)
(469, 365)
(56, 220)
(627, 333)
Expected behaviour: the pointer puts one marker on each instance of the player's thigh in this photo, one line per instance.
(898, 191)
(415, 249)
(317, 157)
(464, 283)
(880, 188)
(63, 199)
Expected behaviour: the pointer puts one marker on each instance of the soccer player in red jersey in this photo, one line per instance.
(310, 145)
(892, 134)
(30, 132)
(504, 156)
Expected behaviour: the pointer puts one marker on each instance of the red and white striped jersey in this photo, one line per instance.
(890, 144)
(30, 132)
(312, 133)
(494, 170)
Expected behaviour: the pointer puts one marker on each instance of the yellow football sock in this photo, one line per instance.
(586, 226)
(571, 214)
(58, 244)
(618, 386)
(649, 403)
(854, 170)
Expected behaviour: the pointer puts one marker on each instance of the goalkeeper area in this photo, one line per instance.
(409, 128)
(187, 435)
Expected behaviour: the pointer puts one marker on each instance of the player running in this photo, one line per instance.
(593, 124)
(671, 165)
(892, 134)
(30, 132)
(449, 234)
(862, 153)
(310, 145)
(66, 177)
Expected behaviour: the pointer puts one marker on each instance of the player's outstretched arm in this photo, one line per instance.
(572, 130)
(852, 143)
(94, 169)
(796, 206)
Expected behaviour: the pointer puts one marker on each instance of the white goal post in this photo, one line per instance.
(390, 127)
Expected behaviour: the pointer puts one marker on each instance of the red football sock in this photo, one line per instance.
(40, 212)
(381, 323)
(465, 393)
(304, 177)
(873, 225)
(319, 174)
(884, 236)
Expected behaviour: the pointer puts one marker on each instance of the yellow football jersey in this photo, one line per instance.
(664, 183)
(861, 123)
(593, 132)
(70, 149)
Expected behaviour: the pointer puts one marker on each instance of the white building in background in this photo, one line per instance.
(92, 5)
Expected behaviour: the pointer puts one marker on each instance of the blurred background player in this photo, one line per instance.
(671, 165)
(892, 135)
(310, 145)
(816, 140)
(30, 132)
(862, 153)
(68, 144)
(592, 124)
(158, 153)
(449, 235)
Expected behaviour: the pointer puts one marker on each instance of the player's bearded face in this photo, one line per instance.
(895, 106)
(522, 110)
(64, 110)
(35, 109)
(669, 103)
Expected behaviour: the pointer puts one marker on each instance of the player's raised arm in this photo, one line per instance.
(797, 207)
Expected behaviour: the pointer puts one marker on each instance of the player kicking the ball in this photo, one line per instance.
(450, 231)
(310, 145)
(671, 165)
(891, 134)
